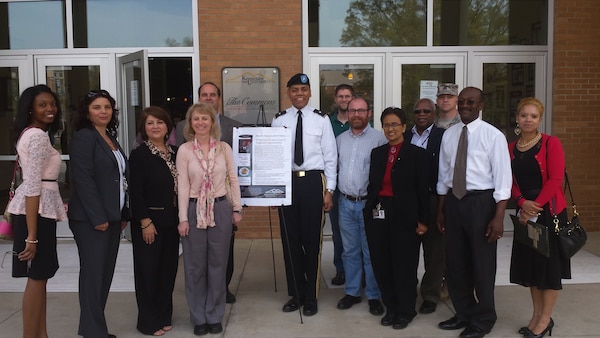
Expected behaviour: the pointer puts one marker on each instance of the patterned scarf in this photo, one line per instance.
(206, 196)
(168, 158)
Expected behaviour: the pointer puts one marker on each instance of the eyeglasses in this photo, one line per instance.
(426, 111)
(357, 111)
(462, 102)
(95, 93)
(392, 125)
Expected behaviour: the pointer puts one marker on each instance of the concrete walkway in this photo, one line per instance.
(257, 312)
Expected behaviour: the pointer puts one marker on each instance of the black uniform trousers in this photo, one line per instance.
(302, 234)
(394, 249)
(155, 269)
(470, 258)
(434, 256)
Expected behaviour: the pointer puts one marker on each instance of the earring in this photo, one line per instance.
(29, 113)
(517, 130)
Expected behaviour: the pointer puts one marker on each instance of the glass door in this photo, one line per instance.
(504, 81)
(363, 72)
(71, 79)
(15, 76)
(417, 77)
(134, 93)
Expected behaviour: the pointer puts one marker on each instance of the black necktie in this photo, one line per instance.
(298, 150)
(459, 181)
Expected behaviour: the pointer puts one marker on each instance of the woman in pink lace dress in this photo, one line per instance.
(37, 204)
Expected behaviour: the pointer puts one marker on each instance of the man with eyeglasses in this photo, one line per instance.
(354, 158)
(447, 96)
(340, 123)
(427, 135)
(314, 164)
(474, 183)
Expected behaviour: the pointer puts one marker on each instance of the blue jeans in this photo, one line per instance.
(356, 255)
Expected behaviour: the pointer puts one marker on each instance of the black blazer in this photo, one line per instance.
(152, 188)
(95, 179)
(409, 185)
(433, 155)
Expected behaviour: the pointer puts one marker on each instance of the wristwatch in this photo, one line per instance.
(238, 211)
(330, 191)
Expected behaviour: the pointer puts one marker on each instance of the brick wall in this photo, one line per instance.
(251, 33)
(576, 100)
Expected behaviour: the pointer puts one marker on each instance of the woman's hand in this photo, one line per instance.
(530, 208)
(148, 233)
(183, 228)
(236, 217)
(29, 252)
(421, 229)
(102, 227)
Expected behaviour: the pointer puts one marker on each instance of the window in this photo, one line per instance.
(35, 24)
(132, 23)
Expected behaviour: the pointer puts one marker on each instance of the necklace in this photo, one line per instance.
(534, 140)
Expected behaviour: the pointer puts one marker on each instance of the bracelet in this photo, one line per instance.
(238, 211)
(147, 225)
(520, 198)
(34, 241)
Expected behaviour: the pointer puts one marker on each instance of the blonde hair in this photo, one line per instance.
(203, 109)
(531, 101)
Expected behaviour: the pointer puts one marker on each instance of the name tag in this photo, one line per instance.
(378, 212)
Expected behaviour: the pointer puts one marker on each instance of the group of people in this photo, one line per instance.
(167, 193)
(443, 184)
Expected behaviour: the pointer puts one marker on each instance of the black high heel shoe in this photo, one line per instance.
(524, 331)
(548, 330)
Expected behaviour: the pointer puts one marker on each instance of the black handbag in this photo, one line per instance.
(571, 236)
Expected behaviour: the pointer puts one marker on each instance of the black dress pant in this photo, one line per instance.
(394, 249)
(155, 269)
(302, 233)
(470, 258)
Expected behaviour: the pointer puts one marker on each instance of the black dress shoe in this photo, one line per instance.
(473, 332)
(427, 307)
(200, 330)
(310, 308)
(339, 279)
(215, 328)
(400, 322)
(229, 297)
(347, 302)
(375, 307)
(291, 305)
(388, 319)
(111, 336)
(453, 324)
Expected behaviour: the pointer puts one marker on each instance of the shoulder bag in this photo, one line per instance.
(572, 235)
(6, 231)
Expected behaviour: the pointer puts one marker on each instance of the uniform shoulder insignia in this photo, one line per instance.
(316, 111)
(280, 113)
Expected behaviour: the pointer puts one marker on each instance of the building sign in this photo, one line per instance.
(248, 92)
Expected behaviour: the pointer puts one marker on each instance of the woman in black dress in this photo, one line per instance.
(538, 166)
(154, 230)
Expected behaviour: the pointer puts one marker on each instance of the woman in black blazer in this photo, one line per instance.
(395, 215)
(154, 230)
(98, 206)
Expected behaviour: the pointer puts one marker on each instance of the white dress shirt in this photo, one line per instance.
(420, 140)
(320, 151)
(488, 161)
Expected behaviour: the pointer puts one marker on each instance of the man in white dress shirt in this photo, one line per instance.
(471, 214)
(314, 165)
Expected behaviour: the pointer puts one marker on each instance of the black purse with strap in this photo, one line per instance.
(571, 236)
